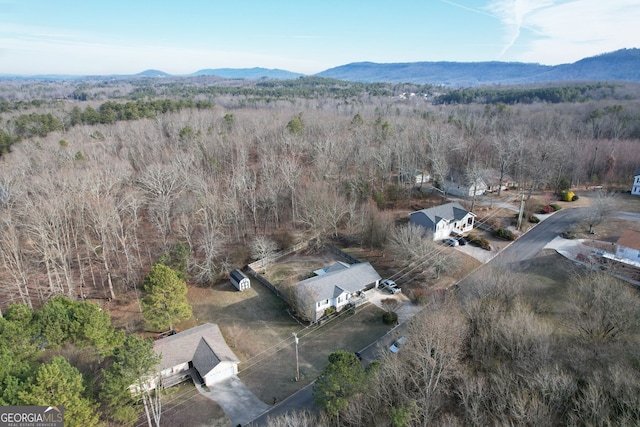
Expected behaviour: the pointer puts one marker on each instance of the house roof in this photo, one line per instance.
(492, 176)
(340, 277)
(630, 239)
(413, 172)
(450, 212)
(181, 347)
(637, 172)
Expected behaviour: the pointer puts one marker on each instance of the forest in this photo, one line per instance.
(102, 180)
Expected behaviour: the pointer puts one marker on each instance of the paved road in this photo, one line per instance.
(528, 245)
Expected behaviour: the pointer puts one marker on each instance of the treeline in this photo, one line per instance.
(31, 125)
(7, 106)
(67, 353)
(95, 206)
(301, 88)
(111, 111)
(527, 96)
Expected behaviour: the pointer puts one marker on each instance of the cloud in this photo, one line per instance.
(565, 31)
(514, 14)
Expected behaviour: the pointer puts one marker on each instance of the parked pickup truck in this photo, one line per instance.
(391, 286)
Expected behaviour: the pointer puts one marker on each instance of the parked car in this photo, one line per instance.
(450, 241)
(462, 241)
(395, 347)
(391, 286)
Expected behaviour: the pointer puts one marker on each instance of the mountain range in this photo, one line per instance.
(621, 65)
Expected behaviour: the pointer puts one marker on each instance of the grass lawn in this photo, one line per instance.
(259, 329)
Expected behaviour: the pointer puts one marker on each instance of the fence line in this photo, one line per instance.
(260, 265)
(342, 254)
(269, 285)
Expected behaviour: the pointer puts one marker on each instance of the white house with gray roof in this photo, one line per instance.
(444, 220)
(202, 348)
(334, 286)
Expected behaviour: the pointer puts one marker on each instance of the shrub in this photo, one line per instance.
(574, 198)
(567, 196)
(534, 219)
(503, 233)
(555, 206)
(420, 296)
(390, 318)
(479, 241)
(330, 311)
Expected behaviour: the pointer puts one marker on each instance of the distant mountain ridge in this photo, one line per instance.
(621, 65)
(255, 73)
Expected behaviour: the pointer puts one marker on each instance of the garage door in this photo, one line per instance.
(214, 377)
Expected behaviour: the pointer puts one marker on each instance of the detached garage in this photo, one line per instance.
(239, 280)
(202, 348)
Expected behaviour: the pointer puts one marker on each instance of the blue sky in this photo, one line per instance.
(305, 36)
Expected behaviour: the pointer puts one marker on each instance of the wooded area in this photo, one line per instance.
(93, 195)
(88, 208)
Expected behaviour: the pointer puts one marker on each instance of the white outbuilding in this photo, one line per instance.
(239, 280)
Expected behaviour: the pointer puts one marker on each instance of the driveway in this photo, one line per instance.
(406, 311)
(236, 400)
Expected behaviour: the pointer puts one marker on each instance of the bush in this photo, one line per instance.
(420, 296)
(503, 233)
(330, 311)
(479, 241)
(574, 198)
(567, 196)
(390, 318)
(534, 219)
(549, 209)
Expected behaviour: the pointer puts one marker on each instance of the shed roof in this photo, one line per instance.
(181, 347)
(237, 275)
(340, 277)
(630, 239)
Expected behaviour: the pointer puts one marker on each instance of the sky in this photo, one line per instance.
(304, 36)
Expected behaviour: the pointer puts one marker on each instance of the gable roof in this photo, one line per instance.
(340, 277)
(630, 239)
(450, 212)
(181, 348)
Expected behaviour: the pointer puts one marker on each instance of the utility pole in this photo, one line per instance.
(295, 337)
(520, 214)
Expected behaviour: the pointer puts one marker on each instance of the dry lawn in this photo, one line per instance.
(258, 328)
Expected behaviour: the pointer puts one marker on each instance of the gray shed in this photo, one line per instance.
(239, 280)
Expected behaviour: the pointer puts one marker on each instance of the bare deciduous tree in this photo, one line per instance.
(602, 206)
(605, 308)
